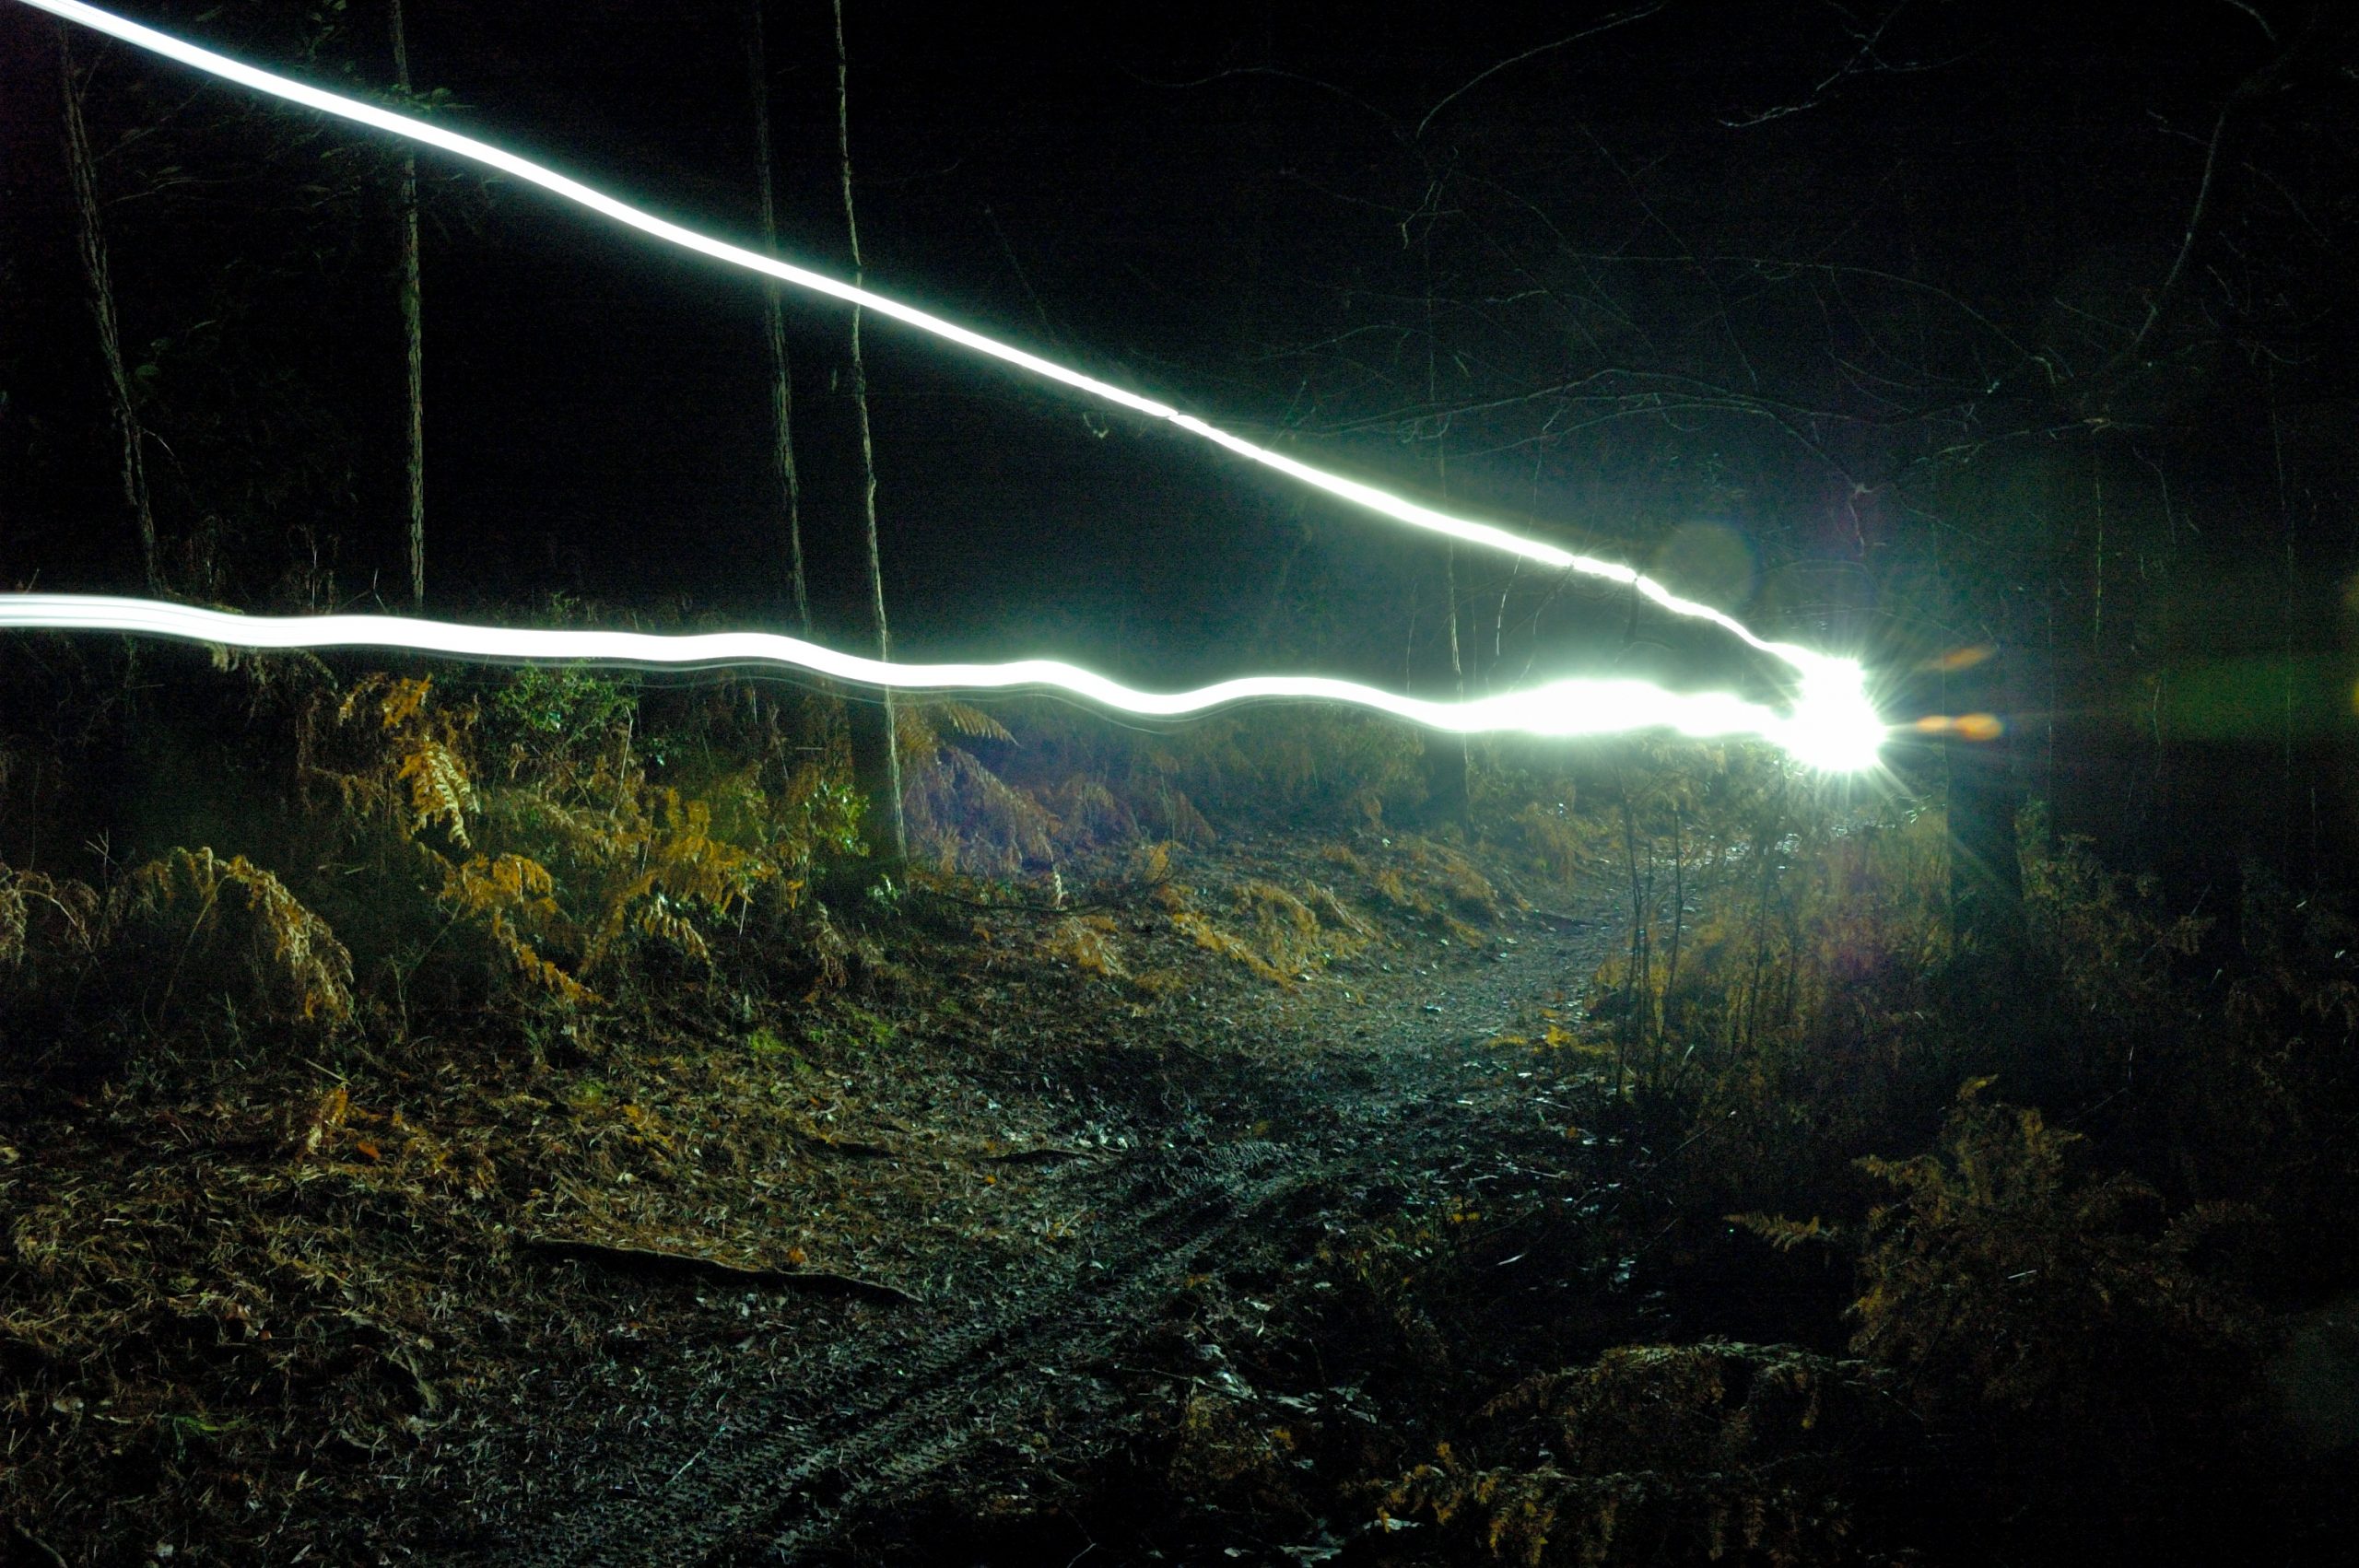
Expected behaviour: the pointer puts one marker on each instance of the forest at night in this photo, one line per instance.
(785, 781)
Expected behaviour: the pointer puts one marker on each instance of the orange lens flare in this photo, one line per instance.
(1962, 726)
(1958, 659)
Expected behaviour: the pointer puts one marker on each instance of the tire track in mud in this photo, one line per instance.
(896, 1399)
(818, 1452)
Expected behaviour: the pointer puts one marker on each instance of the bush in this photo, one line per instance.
(1655, 1454)
(2005, 1275)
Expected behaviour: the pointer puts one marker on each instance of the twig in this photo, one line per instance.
(858, 1148)
(2267, 32)
(1123, 897)
(1619, 18)
(690, 1461)
(655, 1259)
(49, 1553)
(1030, 1157)
(2244, 91)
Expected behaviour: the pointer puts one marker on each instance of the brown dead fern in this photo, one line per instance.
(300, 970)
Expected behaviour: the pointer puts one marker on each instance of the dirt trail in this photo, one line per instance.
(873, 1401)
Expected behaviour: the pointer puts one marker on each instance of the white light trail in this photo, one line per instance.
(1832, 728)
(1834, 725)
(1804, 661)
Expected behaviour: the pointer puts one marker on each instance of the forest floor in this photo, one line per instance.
(1176, 1223)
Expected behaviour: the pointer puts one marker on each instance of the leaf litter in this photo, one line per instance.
(400, 1300)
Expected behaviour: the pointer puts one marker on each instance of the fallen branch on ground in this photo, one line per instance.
(656, 1260)
(853, 1146)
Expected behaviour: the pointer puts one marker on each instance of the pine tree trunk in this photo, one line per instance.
(875, 764)
(790, 482)
(412, 334)
(82, 172)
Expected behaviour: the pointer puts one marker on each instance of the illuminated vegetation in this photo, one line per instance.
(1873, 1219)
(453, 1113)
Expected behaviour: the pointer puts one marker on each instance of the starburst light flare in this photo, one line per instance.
(1804, 661)
(1839, 737)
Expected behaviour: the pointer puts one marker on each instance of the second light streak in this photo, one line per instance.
(1827, 730)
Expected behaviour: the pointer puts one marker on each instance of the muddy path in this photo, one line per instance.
(1022, 1372)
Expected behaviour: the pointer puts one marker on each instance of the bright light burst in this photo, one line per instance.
(1829, 733)
(1835, 727)
(1359, 493)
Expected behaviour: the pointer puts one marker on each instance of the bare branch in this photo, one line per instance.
(1619, 20)
(2252, 88)
(1276, 73)
(2267, 32)
(1866, 60)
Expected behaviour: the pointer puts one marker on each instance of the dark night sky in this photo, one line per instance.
(1226, 205)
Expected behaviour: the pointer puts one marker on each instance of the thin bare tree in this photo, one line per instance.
(790, 480)
(412, 334)
(877, 766)
(1448, 760)
(82, 172)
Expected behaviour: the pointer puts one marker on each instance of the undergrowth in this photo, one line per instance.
(2028, 1198)
(2074, 1175)
(322, 848)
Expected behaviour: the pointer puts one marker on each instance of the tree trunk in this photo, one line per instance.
(1445, 753)
(82, 172)
(412, 334)
(790, 482)
(1984, 794)
(876, 764)
(1447, 762)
